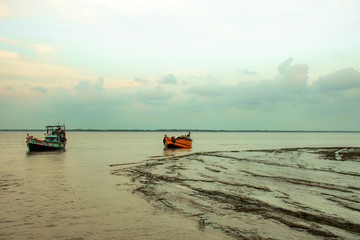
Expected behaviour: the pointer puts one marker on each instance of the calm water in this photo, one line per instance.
(73, 195)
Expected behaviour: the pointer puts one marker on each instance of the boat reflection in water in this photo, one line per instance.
(179, 142)
(169, 152)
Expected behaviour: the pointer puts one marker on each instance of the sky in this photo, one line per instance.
(180, 64)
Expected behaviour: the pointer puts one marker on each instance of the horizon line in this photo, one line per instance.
(179, 130)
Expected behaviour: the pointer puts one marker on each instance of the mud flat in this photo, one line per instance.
(297, 193)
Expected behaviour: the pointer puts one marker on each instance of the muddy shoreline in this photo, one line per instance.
(293, 193)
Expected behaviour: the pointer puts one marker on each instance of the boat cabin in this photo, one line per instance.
(55, 133)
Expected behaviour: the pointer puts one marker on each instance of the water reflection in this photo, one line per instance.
(28, 153)
(175, 151)
(58, 155)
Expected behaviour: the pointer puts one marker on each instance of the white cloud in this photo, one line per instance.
(86, 86)
(78, 10)
(4, 10)
(88, 91)
(344, 79)
(5, 54)
(41, 70)
(293, 77)
(257, 104)
(248, 72)
(40, 89)
(12, 64)
(42, 48)
(9, 88)
(289, 89)
(168, 79)
(140, 80)
(156, 95)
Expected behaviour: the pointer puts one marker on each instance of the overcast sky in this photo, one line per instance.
(180, 64)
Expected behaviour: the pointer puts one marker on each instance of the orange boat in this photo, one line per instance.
(179, 142)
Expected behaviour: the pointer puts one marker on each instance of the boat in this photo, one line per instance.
(183, 141)
(55, 139)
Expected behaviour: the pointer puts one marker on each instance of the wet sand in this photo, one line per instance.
(293, 193)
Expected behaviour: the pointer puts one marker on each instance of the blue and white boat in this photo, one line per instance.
(55, 139)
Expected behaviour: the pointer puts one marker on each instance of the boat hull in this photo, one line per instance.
(177, 143)
(44, 146)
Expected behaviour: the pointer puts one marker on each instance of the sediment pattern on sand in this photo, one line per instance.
(298, 193)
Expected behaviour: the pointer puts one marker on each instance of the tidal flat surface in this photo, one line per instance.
(290, 193)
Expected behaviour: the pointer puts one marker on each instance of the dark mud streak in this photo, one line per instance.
(245, 204)
(328, 153)
(311, 230)
(124, 164)
(212, 169)
(351, 155)
(344, 202)
(304, 182)
(285, 165)
(343, 198)
(151, 178)
(238, 234)
(157, 178)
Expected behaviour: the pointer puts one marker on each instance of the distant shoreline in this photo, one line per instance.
(183, 130)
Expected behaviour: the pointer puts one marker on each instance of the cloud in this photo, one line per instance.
(40, 89)
(5, 54)
(11, 62)
(344, 79)
(289, 87)
(4, 10)
(168, 79)
(140, 80)
(262, 104)
(89, 106)
(8, 88)
(87, 86)
(89, 92)
(245, 71)
(91, 97)
(211, 89)
(156, 95)
(42, 48)
(288, 90)
(292, 78)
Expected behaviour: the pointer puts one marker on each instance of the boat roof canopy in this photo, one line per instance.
(55, 126)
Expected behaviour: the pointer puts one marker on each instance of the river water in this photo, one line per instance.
(124, 185)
